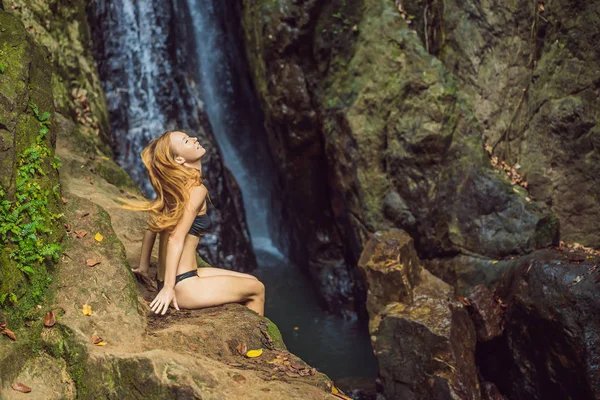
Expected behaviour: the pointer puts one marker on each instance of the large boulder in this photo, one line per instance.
(422, 337)
(349, 88)
(186, 354)
(551, 344)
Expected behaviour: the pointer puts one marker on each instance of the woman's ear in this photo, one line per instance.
(179, 160)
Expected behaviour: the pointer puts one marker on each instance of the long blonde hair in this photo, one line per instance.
(171, 182)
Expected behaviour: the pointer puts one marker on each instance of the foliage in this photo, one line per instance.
(26, 221)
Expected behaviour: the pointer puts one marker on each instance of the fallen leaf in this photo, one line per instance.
(68, 227)
(65, 201)
(49, 320)
(92, 263)
(193, 346)
(80, 234)
(495, 262)
(10, 334)
(84, 215)
(19, 387)
(86, 310)
(241, 348)
(96, 339)
(254, 353)
(464, 300)
(98, 237)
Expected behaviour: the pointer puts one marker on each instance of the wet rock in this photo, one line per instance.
(485, 313)
(551, 344)
(391, 268)
(422, 337)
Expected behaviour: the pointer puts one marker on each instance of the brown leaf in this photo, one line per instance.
(49, 320)
(64, 200)
(97, 339)
(92, 263)
(80, 234)
(464, 300)
(84, 215)
(2, 326)
(296, 366)
(19, 387)
(10, 334)
(242, 348)
(193, 346)
(68, 227)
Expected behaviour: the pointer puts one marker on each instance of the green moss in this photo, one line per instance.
(115, 175)
(275, 335)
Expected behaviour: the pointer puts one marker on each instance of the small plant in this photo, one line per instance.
(24, 221)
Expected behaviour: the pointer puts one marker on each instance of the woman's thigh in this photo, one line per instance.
(208, 271)
(212, 291)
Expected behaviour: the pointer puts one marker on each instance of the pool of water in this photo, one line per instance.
(337, 347)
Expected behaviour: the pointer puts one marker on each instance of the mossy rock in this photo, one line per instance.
(26, 80)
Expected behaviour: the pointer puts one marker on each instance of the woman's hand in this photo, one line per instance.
(141, 275)
(162, 300)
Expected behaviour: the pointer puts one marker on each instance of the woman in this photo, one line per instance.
(173, 162)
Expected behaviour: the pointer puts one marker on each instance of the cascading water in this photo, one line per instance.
(233, 119)
(337, 347)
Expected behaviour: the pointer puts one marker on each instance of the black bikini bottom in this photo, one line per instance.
(179, 278)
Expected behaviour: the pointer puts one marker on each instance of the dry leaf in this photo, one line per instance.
(80, 234)
(98, 237)
(86, 310)
(241, 348)
(98, 341)
(49, 320)
(9, 333)
(19, 387)
(68, 227)
(464, 300)
(65, 201)
(254, 353)
(193, 346)
(92, 263)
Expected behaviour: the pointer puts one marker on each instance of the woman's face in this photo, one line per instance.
(186, 148)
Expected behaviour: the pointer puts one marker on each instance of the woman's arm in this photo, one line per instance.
(147, 245)
(175, 244)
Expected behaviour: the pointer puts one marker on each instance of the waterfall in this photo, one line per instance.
(233, 117)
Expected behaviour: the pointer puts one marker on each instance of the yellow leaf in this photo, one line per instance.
(103, 343)
(98, 237)
(86, 310)
(495, 262)
(254, 353)
(334, 390)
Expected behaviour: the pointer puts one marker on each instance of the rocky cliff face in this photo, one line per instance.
(531, 75)
(371, 132)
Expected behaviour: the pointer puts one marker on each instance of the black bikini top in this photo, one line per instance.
(201, 224)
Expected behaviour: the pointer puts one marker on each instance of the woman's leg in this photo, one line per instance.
(196, 292)
(208, 271)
